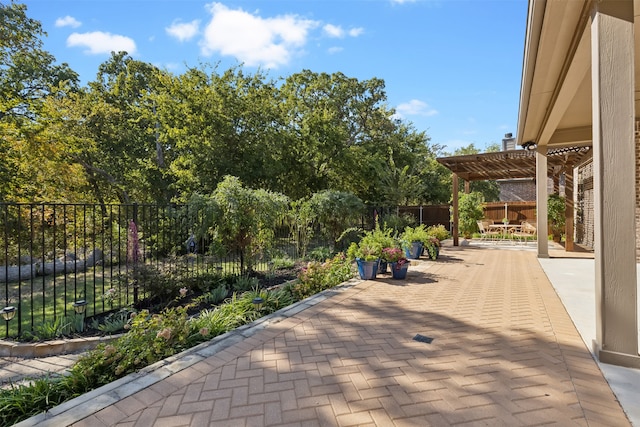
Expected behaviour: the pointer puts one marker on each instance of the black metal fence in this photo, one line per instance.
(54, 255)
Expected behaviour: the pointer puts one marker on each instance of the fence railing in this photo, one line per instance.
(54, 255)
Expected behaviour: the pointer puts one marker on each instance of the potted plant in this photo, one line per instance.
(413, 240)
(367, 256)
(432, 247)
(399, 263)
(384, 238)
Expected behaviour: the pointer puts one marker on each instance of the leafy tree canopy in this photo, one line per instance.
(137, 133)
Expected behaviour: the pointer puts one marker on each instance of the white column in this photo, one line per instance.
(541, 202)
(612, 56)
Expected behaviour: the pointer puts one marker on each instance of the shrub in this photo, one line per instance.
(556, 215)
(150, 338)
(469, 212)
(438, 231)
(370, 246)
(321, 254)
(282, 262)
(245, 283)
(414, 234)
(398, 222)
(114, 322)
(215, 296)
(318, 276)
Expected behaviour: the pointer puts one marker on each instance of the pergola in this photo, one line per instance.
(514, 164)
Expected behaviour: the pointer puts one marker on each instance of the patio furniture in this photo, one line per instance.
(505, 230)
(485, 232)
(526, 232)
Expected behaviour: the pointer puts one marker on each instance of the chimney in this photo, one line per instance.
(508, 142)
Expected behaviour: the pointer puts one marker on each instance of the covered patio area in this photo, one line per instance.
(514, 164)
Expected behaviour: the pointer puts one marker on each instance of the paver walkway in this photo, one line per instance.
(14, 370)
(504, 352)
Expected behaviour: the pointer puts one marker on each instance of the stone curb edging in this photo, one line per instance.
(52, 348)
(89, 403)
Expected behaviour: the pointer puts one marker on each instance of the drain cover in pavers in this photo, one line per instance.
(422, 338)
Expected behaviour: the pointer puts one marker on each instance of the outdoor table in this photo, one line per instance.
(505, 228)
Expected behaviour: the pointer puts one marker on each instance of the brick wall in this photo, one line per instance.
(517, 190)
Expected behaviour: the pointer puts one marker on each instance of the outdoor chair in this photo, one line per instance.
(527, 232)
(485, 233)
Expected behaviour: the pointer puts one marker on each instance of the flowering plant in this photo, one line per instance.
(393, 254)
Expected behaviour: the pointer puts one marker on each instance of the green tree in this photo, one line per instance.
(28, 75)
(469, 212)
(336, 125)
(27, 72)
(219, 125)
(336, 211)
(109, 130)
(242, 219)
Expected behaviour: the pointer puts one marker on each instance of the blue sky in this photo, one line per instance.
(451, 67)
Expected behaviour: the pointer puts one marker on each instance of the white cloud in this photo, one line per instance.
(338, 32)
(183, 31)
(252, 39)
(334, 49)
(402, 1)
(98, 42)
(68, 21)
(333, 31)
(415, 108)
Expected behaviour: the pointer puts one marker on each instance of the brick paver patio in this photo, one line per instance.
(504, 353)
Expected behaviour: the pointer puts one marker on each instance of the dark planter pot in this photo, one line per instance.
(382, 268)
(367, 269)
(414, 251)
(399, 271)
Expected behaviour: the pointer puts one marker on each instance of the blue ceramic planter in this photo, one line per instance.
(414, 251)
(399, 271)
(367, 269)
